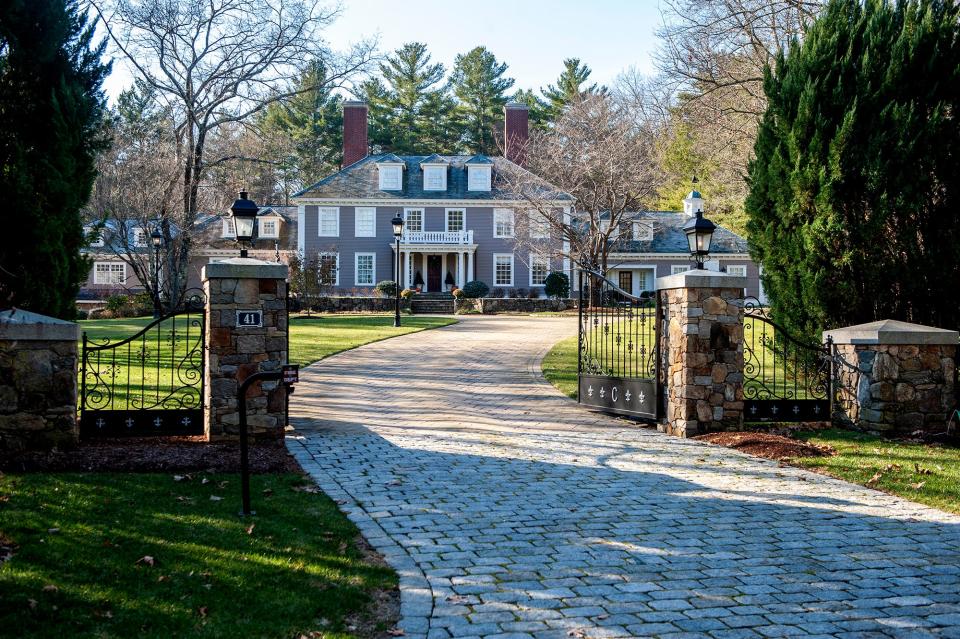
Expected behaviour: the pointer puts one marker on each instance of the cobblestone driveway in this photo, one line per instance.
(510, 512)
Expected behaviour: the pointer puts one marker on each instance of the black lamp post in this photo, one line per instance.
(244, 216)
(156, 237)
(699, 232)
(397, 222)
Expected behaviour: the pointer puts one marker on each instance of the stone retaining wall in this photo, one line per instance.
(357, 305)
(518, 305)
(38, 382)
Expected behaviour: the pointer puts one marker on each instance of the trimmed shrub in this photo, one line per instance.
(118, 305)
(475, 289)
(557, 285)
(386, 288)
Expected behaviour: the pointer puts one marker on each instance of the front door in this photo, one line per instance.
(626, 281)
(434, 273)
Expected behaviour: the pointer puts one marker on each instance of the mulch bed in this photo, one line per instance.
(152, 454)
(768, 446)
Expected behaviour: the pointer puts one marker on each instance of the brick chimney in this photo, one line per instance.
(516, 131)
(354, 131)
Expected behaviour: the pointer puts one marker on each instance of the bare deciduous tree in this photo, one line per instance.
(218, 63)
(597, 153)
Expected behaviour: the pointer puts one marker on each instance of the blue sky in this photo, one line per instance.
(532, 37)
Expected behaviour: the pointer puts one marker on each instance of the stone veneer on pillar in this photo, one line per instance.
(896, 377)
(701, 347)
(234, 352)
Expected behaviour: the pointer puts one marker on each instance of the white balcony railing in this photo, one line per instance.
(437, 237)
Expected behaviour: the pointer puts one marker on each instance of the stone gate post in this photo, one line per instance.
(246, 333)
(702, 351)
(895, 377)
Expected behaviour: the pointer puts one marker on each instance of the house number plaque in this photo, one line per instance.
(250, 319)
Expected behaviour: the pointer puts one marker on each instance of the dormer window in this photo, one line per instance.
(139, 238)
(434, 178)
(478, 178)
(390, 170)
(269, 227)
(227, 229)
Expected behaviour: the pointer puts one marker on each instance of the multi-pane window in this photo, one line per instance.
(503, 269)
(109, 273)
(329, 221)
(675, 269)
(139, 238)
(268, 228)
(328, 269)
(539, 269)
(435, 178)
(478, 178)
(737, 269)
(455, 219)
(366, 267)
(365, 222)
(539, 226)
(390, 177)
(228, 230)
(503, 222)
(413, 221)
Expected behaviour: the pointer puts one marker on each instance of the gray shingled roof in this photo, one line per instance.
(360, 180)
(668, 236)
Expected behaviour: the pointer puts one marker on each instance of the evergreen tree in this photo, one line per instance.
(478, 82)
(52, 113)
(854, 189)
(569, 87)
(537, 108)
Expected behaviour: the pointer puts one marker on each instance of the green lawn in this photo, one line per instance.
(560, 366)
(143, 555)
(920, 472)
(154, 367)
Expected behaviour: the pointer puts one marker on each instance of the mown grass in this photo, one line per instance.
(929, 474)
(80, 566)
(559, 366)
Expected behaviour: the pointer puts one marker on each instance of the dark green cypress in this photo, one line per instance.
(854, 186)
(52, 112)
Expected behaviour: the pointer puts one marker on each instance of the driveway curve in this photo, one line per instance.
(511, 512)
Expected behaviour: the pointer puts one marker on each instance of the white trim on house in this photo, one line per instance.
(509, 224)
(738, 269)
(411, 202)
(227, 230)
(446, 217)
(356, 269)
(109, 273)
(479, 178)
(335, 211)
(139, 237)
(406, 211)
(675, 256)
(431, 171)
(390, 176)
(676, 269)
(512, 270)
(541, 258)
(261, 231)
(301, 229)
(635, 268)
(370, 211)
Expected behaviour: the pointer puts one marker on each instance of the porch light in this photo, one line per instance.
(699, 232)
(157, 238)
(244, 216)
(397, 226)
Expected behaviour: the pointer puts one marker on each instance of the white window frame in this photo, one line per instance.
(446, 218)
(110, 270)
(261, 231)
(139, 237)
(356, 269)
(437, 170)
(479, 178)
(539, 226)
(227, 230)
(336, 265)
(676, 269)
(538, 258)
(365, 210)
(647, 227)
(496, 222)
(512, 270)
(406, 219)
(741, 268)
(330, 210)
(390, 170)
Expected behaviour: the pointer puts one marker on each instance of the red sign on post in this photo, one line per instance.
(291, 374)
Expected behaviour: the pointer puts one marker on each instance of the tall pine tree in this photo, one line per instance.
(478, 82)
(52, 113)
(854, 190)
(569, 87)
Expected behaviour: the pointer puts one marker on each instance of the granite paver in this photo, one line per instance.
(509, 511)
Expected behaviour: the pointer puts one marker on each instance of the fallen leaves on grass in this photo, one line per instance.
(250, 529)
(396, 632)
(921, 471)
(50, 588)
(891, 467)
(307, 488)
(918, 485)
(146, 560)
(203, 611)
(873, 480)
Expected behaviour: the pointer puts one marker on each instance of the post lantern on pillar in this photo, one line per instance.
(397, 223)
(699, 230)
(244, 217)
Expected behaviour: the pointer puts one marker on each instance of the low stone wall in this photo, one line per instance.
(38, 382)
(518, 305)
(356, 305)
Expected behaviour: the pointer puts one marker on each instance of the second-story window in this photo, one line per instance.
(329, 221)
(366, 222)
(413, 220)
(539, 226)
(503, 222)
(456, 219)
(434, 178)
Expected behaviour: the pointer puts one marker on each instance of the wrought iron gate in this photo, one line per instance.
(618, 368)
(784, 379)
(150, 383)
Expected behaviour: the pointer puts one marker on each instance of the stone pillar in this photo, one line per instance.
(38, 381)
(701, 350)
(460, 262)
(233, 352)
(895, 378)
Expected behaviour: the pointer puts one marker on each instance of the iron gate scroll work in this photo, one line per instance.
(150, 383)
(617, 363)
(784, 378)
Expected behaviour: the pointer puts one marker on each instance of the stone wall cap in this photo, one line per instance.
(892, 332)
(18, 324)
(245, 268)
(701, 278)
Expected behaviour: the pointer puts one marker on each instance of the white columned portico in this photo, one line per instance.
(405, 276)
(460, 279)
(423, 272)
(473, 257)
